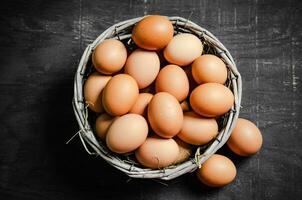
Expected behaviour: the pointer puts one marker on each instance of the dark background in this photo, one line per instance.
(41, 43)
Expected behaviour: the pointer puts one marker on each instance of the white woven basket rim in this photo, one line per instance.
(91, 143)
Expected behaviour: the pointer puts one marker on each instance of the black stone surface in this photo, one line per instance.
(41, 43)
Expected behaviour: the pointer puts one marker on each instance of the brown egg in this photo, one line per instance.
(185, 106)
(165, 115)
(141, 104)
(109, 56)
(102, 125)
(120, 94)
(153, 32)
(209, 69)
(157, 152)
(143, 66)
(161, 57)
(217, 171)
(93, 88)
(183, 49)
(211, 99)
(185, 151)
(150, 89)
(173, 79)
(197, 130)
(192, 82)
(127, 133)
(245, 139)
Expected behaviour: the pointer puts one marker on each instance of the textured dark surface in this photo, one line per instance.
(40, 46)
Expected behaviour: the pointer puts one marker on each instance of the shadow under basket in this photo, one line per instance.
(127, 163)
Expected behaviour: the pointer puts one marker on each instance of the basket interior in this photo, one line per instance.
(130, 45)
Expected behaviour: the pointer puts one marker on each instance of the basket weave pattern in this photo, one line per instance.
(122, 31)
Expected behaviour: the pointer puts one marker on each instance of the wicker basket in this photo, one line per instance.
(122, 31)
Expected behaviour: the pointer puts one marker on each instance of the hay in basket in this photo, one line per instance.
(125, 163)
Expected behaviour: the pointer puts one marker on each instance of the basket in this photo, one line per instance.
(122, 31)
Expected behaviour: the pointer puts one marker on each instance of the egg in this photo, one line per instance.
(93, 88)
(185, 106)
(245, 139)
(102, 125)
(173, 79)
(197, 130)
(141, 104)
(109, 56)
(217, 171)
(209, 69)
(185, 151)
(127, 133)
(120, 94)
(183, 49)
(153, 32)
(165, 115)
(143, 66)
(192, 82)
(211, 99)
(157, 152)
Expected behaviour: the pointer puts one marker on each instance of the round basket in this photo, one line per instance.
(91, 143)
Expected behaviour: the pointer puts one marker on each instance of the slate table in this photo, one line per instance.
(41, 43)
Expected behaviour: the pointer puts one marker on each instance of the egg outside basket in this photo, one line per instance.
(122, 31)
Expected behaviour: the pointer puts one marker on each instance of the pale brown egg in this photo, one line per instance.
(183, 49)
(217, 171)
(157, 153)
(153, 32)
(245, 139)
(102, 125)
(197, 130)
(127, 133)
(141, 104)
(185, 151)
(173, 79)
(93, 88)
(143, 66)
(209, 69)
(165, 115)
(185, 106)
(150, 89)
(109, 56)
(120, 94)
(211, 99)
(192, 82)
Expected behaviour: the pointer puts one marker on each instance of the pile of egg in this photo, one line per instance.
(162, 99)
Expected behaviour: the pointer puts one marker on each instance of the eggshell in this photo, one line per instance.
(173, 79)
(102, 124)
(211, 99)
(245, 139)
(185, 106)
(143, 66)
(165, 115)
(109, 56)
(150, 89)
(127, 133)
(93, 88)
(153, 32)
(197, 130)
(141, 104)
(120, 94)
(183, 49)
(192, 82)
(185, 151)
(217, 171)
(157, 152)
(209, 69)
